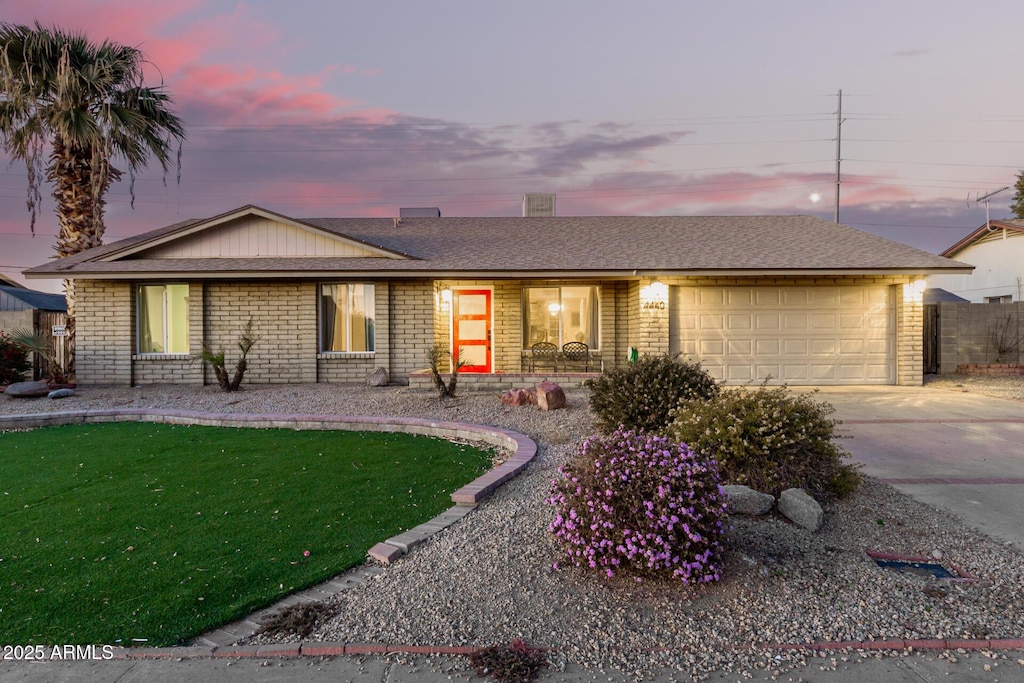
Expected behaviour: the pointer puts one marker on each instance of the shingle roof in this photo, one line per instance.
(1014, 224)
(584, 244)
(40, 300)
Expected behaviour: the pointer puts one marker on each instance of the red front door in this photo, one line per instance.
(471, 328)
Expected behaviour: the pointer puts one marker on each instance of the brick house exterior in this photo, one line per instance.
(798, 298)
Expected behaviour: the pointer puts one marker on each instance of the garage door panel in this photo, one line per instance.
(712, 322)
(824, 321)
(797, 335)
(795, 347)
(741, 347)
(711, 347)
(824, 347)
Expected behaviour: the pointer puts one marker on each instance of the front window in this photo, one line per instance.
(346, 318)
(560, 315)
(163, 318)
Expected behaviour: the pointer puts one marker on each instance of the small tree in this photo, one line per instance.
(1017, 205)
(435, 355)
(216, 360)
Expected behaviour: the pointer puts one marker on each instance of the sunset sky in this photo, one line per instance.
(314, 108)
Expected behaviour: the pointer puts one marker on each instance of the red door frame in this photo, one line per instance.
(457, 318)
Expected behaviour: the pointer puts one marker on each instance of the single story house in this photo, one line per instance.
(797, 298)
(996, 250)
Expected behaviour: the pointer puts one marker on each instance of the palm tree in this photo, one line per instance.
(86, 104)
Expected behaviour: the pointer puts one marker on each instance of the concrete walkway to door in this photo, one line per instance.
(961, 452)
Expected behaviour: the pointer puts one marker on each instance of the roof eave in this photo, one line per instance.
(496, 274)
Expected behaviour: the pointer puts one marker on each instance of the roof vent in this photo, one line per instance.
(538, 204)
(420, 212)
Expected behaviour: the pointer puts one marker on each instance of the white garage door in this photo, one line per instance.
(798, 335)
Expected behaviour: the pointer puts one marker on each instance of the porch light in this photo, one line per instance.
(913, 292)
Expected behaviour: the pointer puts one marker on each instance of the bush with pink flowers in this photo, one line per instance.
(642, 505)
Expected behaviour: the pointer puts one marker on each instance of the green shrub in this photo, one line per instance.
(642, 395)
(13, 360)
(769, 440)
(640, 504)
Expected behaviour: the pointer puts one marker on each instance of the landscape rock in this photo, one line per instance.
(61, 393)
(28, 389)
(801, 509)
(550, 396)
(519, 397)
(744, 500)
(378, 378)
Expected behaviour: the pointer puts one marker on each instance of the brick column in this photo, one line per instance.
(909, 335)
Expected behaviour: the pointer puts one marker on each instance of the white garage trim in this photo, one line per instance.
(799, 335)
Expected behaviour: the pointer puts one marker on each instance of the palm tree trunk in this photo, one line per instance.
(79, 211)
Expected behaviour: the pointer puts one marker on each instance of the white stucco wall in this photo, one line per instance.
(998, 261)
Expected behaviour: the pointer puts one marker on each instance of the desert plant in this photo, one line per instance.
(217, 360)
(435, 355)
(40, 345)
(1004, 337)
(769, 439)
(641, 395)
(641, 504)
(13, 360)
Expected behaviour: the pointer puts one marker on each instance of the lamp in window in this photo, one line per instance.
(554, 308)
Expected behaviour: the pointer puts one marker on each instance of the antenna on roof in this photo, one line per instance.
(985, 199)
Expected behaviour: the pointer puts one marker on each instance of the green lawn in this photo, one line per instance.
(115, 532)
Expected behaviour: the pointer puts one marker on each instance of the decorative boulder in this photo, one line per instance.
(378, 378)
(550, 396)
(28, 389)
(801, 509)
(744, 500)
(519, 397)
(61, 393)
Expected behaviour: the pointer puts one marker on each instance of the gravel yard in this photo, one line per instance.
(489, 579)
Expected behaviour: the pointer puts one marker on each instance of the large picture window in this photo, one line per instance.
(560, 315)
(163, 318)
(346, 318)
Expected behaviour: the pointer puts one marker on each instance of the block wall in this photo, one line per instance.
(968, 334)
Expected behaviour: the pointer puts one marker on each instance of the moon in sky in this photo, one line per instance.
(815, 196)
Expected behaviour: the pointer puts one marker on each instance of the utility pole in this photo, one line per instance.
(839, 147)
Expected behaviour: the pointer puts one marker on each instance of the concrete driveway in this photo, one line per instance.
(961, 452)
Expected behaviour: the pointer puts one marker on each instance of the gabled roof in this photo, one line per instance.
(573, 246)
(33, 299)
(1015, 225)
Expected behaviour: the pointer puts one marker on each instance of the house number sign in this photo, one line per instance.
(654, 306)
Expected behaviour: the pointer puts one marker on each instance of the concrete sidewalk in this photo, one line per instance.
(961, 452)
(913, 668)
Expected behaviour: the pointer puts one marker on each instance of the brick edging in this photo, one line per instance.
(341, 649)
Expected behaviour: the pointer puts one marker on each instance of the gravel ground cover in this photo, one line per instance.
(489, 579)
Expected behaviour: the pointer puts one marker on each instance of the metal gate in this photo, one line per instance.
(931, 339)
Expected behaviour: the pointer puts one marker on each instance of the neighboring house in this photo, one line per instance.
(21, 308)
(27, 309)
(798, 298)
(996, 250)
(7, 282)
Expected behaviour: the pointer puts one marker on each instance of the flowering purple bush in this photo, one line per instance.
(643, 505)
